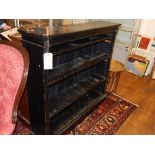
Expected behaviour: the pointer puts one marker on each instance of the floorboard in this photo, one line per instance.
(141, 91)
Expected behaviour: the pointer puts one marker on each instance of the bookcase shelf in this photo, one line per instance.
(73, 93)
(68, 69)
(57, 49)
(69, 117)
(60, 97)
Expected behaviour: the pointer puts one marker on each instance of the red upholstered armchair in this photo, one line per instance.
(14, 63)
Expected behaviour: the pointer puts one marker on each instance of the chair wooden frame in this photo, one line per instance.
(20, 91)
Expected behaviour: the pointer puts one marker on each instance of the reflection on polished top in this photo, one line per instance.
(44, 34)
(48, 30)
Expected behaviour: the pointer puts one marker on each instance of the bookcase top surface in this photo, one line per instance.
(68, 32)
(48, 30)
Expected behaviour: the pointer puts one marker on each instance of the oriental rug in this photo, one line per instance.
(106, 119)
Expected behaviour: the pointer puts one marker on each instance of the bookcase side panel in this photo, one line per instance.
(35, 88)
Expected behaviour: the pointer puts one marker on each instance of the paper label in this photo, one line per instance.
(48, 61)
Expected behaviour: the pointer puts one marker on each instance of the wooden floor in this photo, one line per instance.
(141, 91)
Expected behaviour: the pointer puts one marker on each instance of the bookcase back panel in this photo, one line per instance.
(76, 79)
(83, 52)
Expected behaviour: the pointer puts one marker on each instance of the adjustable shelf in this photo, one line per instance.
(57, 49)
(73, 93)
(65, 70)
(67, 118)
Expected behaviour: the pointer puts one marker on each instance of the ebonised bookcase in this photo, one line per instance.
(60, 97)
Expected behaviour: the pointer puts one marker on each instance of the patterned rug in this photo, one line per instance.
(106, 119)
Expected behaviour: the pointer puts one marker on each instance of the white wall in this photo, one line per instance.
(147, 27)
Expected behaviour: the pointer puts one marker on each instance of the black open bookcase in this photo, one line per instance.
(58, 98)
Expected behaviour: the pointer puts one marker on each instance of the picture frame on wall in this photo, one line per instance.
(144, 43)
(148, 55)
(153, 46)
(137, 64)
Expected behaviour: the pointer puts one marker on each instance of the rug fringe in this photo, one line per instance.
(125, 99)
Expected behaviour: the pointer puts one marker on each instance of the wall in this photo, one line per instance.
(147, 27)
